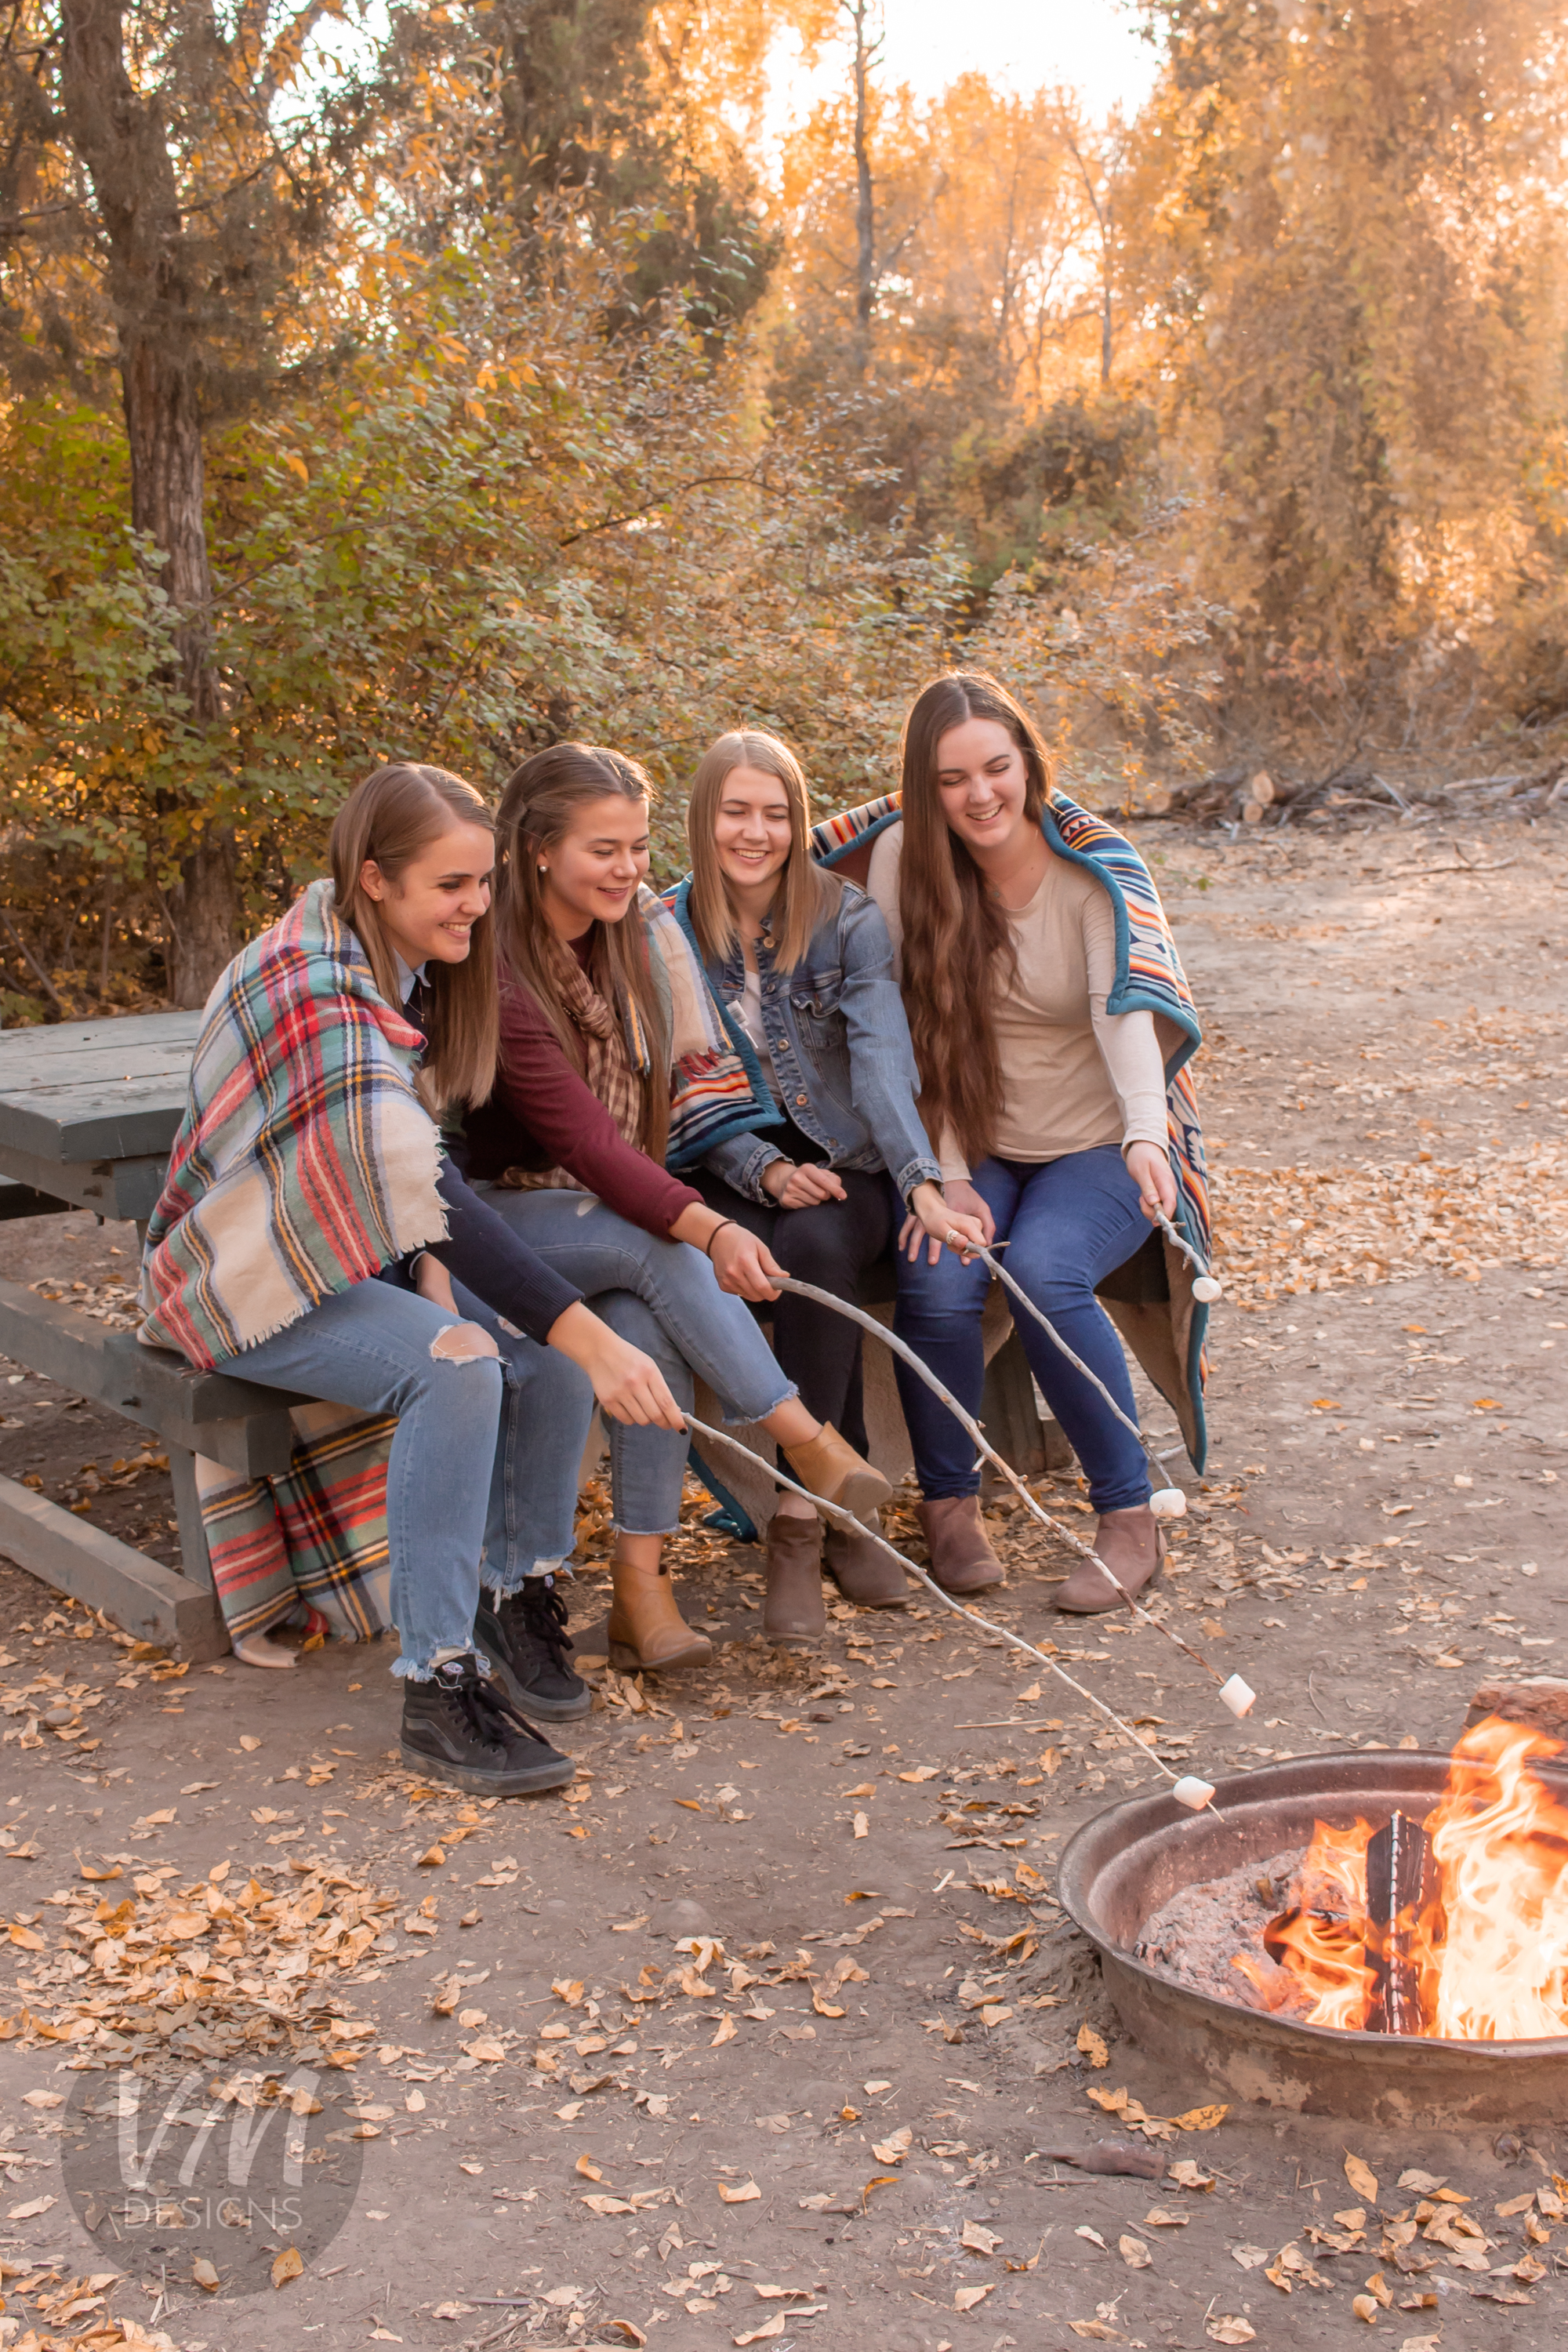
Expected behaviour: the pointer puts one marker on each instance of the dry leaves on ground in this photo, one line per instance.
(1285, 1230)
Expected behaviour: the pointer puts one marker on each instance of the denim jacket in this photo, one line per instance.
(840, 1048)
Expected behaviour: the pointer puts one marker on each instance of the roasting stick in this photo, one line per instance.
(1233, 1693)
(845, 1520)
(1207, 1286)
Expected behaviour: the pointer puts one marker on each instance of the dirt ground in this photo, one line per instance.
(565, 2095)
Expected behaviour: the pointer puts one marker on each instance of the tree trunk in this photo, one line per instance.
(865, 199)
(120, 140)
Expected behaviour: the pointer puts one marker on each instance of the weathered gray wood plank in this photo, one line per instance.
(140, 1594)
(95, 1089)
(112, 1188)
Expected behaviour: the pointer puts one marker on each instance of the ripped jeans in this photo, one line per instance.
(484, 1463)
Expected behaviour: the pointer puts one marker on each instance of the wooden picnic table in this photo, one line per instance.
(88, 1112)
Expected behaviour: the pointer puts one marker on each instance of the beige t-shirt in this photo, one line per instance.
(1074, 1077)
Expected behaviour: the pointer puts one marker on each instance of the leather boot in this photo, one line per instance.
(828, 1465)
(794, 1614)
(862, 1570)
(645, 1628)
(962, 1559)
(1133, 1550)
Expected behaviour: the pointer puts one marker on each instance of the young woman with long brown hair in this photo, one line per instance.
(1044, 1072)
(597, 980)
(803, 960)
(310, 1163)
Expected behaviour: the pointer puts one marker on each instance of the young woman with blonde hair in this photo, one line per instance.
(803, 961)
(1049, 1054)
(611, 1057)
(309, 1163)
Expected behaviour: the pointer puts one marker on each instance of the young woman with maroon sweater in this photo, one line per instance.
(568, 1151)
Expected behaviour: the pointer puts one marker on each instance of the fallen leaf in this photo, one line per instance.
(604, 2206)
(205, 2276)
(488, 2053)
(862, 1825)
(1099, 2330)
(432, 1858)
(1092, 2047)
(921, 1773)
(1226, 2330)
(1083, 2230)
(823, 2008)
(967, 2297)
(744, 2195)
(978, 2239)
(1201, 2119)
(31, 2211)
(1364, 2307)
(1156, 2220)
(1249, 2257)
(1133, 2252)
(1362, 2179)
(249, 1742)
(288, 2264)
(475, 2168)
(895, 2147)
(770, 2327)
(1425, 2184)
(588, 2169)
(727, 2028)
(43, 2099)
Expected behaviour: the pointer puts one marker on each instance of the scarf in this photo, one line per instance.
(716, 1090)
(1161, 1322)
(305, 1161)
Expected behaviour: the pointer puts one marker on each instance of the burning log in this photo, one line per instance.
(1400, 1903)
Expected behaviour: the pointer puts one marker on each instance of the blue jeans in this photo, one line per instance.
(1067, 1223)
(663, 1297)
(484, 1460)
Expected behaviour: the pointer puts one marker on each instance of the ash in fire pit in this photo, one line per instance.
(1455, 1926)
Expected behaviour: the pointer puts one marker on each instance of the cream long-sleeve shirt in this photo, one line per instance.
(1074, 1077)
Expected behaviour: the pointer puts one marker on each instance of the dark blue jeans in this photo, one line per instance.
(1068, 1223)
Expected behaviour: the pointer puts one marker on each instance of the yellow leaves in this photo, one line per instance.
(287, 2266)
(727, 2030)
(569, 1989)
(1092, 2047)
(26, 1936)
(747, 2193)
(1362, 2179)
(895, 2147)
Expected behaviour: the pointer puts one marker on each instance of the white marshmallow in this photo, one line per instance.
(1192, 1792)
(1238, 1697)
(1168, 1503)
(1205, 1289)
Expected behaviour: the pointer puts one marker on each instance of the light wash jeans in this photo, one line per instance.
(485, 1459)
(663, 1297)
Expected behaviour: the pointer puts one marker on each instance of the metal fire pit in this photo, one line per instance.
(1127, 1864)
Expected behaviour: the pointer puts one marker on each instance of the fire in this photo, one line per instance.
(1455, 1928)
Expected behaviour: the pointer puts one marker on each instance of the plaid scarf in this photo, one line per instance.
(1166, 1335)
(305, 1161)
(716, 1090)
(317, 1533)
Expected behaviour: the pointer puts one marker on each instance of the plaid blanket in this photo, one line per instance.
(1165, 1334)
(305, 1161)
(317, 1534)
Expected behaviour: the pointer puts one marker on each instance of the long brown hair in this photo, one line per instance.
(537, 806)
(387, 820)
(953, 931)
(804, 889)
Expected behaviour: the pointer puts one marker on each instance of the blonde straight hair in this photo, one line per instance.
(388, 819)
(804, 891)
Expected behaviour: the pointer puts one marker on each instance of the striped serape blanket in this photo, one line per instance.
(306, 1160)
(716, 1090)
(1166, 1333)
(316, 1534)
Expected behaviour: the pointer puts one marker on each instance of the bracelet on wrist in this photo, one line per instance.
(708, 1244)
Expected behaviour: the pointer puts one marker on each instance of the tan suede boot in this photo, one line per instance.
(962, 1559)
(826, 1464)
(645, 1628)
(1133, 1550)
(795, 1616)
(862, 1570)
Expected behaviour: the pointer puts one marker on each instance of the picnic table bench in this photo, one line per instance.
(88, 1112)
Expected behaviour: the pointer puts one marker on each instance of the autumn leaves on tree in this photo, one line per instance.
(449, 380)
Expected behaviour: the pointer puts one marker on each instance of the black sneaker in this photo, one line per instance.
(459, 1728)
(525, 1639)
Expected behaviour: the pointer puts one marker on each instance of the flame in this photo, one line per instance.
(1485, 1953)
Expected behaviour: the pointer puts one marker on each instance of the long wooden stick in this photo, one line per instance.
(845, 1520)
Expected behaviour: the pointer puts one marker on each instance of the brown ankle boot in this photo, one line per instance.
(862, 1570)
(646, 1629)
(828, 1465)
(794, 1614)
(962, 1559)
(1133, 1550)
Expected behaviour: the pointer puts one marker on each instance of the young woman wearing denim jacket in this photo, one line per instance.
(802, 962)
